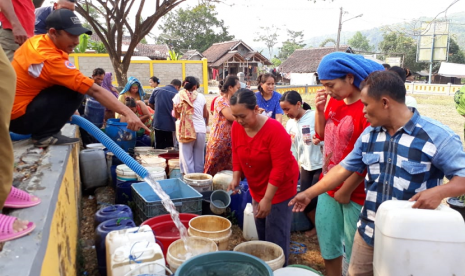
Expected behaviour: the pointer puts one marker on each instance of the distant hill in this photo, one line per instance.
(375, 35)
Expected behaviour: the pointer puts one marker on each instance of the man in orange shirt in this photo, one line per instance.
(49, 88)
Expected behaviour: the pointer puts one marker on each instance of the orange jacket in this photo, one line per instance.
(39, 64)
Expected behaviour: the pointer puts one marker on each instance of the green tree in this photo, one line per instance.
(326, 41)
(113, 22)
(294, 42)
(360, 42)
(193, 28)
(83, 43)
(269, 36)
(397, 44)
(276, 62)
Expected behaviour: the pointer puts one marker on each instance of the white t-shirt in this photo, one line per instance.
(308, 155)
(197, 117)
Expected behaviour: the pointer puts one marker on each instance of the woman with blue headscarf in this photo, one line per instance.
(339, 125)
(132, 89)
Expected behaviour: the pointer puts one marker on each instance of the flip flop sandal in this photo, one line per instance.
(19, 199)
(6, 229)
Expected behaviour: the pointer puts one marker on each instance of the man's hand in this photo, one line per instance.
(342, 197)
(264, 208)
(20, 34)
(427, 199)
(134, 123)
(300, 201)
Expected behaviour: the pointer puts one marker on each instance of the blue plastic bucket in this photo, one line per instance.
(101, 232)
(94, 112)
(119, 133)
(123, 192)
(111, 212)
(223, 263)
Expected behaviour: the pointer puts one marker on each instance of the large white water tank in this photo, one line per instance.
(417, 241)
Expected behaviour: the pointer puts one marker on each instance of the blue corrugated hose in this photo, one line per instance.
(110, 145)
(17, 137)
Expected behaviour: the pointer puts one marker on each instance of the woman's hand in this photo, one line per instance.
(264, 208)
(320, 100)
(315, 140)
(233, 185)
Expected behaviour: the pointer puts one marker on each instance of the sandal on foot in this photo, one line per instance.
(20, 199)
(6, 229)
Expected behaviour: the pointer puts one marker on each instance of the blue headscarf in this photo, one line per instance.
(131, 82)
(339, 64)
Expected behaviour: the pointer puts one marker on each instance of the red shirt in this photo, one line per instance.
(344, 124)
(266, 158)
(24, 10)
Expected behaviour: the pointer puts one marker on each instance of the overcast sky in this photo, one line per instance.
(245, 17)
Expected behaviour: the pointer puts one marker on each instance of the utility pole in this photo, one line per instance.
(339, 31)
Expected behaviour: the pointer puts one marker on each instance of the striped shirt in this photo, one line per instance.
(414, 159)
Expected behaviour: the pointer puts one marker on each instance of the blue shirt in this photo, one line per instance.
(271, 106)
(162, 100)
(414, 159)
(41, 14)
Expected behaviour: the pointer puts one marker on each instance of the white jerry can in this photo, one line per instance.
(125, 237)
(138, 258)
(417, 241)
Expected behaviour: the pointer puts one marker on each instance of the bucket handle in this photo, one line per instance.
(147, 264)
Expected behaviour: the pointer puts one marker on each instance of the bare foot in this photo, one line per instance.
(310, 233)
(34, 198)
(20, 225)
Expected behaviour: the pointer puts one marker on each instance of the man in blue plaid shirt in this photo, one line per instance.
(406, 157)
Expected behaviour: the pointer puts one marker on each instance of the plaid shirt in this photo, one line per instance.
(414, 159)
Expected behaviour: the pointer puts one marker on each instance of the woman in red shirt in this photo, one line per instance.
(262, 153)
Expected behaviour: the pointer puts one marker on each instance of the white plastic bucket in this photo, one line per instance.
(157, 173)
(222, 179)
(153, 161)
(201, 182)
(272, 254)
(124, 173)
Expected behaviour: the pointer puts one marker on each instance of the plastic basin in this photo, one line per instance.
(165, 230)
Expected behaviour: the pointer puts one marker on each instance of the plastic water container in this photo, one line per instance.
(250, 229)
(152, 161)
(124, 237)
(295, 271)
(174, 169)
(157, 173)
(222, 263)
(269, 252)
(100, 234)
(111, 212)
(178, 249)
(123, 193)
(95, 146)
(124, 174)
(417, 241)
(137, 257)
(165, 230)
(119, 133)
(239, 201)
(93, 167)
(202, 182)
(222, 179)
(94, 112)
